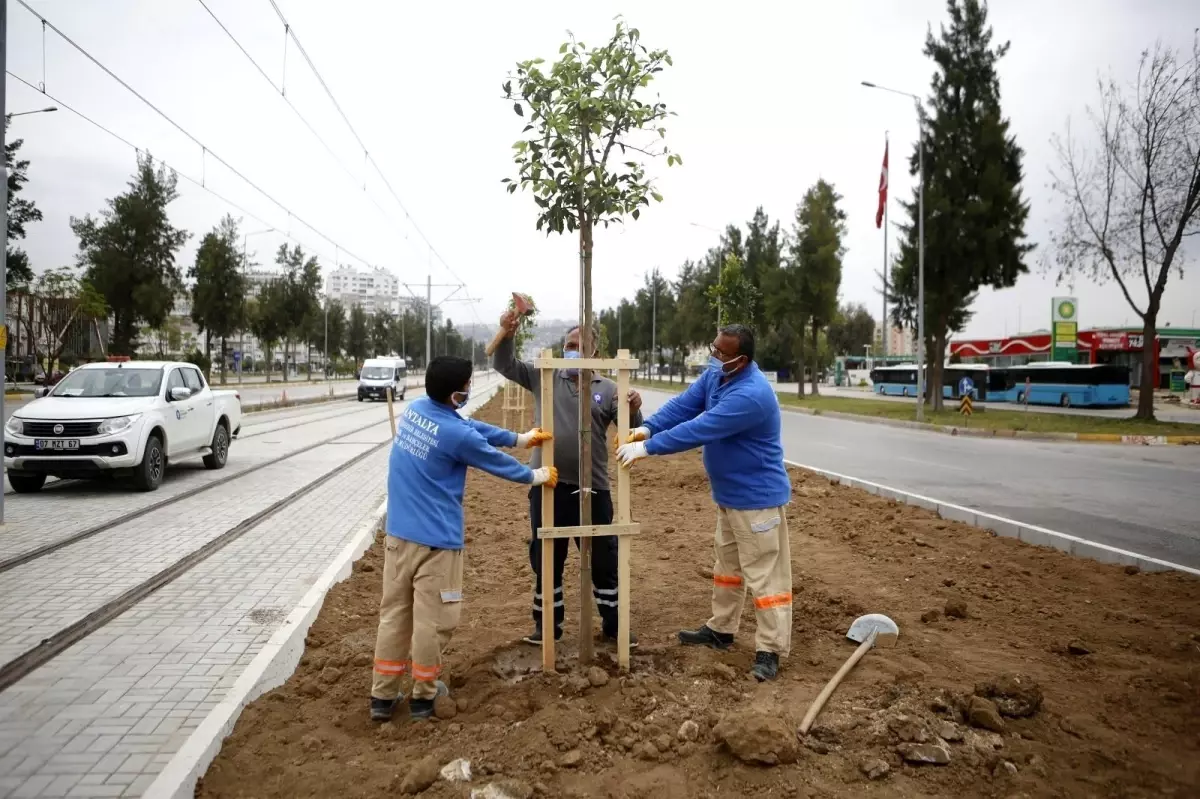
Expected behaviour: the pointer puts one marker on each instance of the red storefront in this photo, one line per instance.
(1123, 347)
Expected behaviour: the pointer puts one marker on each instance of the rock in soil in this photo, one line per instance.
(421, 776)
(1015, 695)
(1077, 647)
(935, 753)
(949, 731)
(571, 759)
(688, 731)
(908, 729)
(874, 769)
(597, 676)
(931, 615)
(755, 737)
(504, 789)
(445, 708)
(956, 609)
(983, 714)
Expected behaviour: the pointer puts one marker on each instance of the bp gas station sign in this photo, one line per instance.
(1064, 328)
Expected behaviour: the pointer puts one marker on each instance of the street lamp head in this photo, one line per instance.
(869, 85)
(50, 109)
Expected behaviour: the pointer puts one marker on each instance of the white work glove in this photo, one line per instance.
(638, 434)
(534, 438)
(628, 453)
(547, 475)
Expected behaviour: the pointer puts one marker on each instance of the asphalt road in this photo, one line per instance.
(1143, 499)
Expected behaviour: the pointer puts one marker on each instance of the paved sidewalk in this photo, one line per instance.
(106, 715)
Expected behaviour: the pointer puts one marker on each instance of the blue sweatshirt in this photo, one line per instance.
(738, 424)
(428, 469)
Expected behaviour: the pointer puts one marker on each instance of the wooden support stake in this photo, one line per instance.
(548, 627)
(391, 411)
(589, 531)
(624, 516)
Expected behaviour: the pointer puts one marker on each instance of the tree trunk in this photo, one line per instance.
(287, 351)
(1145, 406)
(222, 360)
(800, 363)
(816, 356)
(936, 369)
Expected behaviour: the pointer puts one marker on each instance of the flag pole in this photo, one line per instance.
(885, 329)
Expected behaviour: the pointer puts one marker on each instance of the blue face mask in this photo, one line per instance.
(717, 365)
(572, 355)
(466, 395)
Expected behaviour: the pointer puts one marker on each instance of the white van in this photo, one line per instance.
(380, 374)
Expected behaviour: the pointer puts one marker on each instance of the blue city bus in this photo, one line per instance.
(1096, 385)
(901, 380)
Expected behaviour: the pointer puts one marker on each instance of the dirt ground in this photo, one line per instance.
(1091, 672)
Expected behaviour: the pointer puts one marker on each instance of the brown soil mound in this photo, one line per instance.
(1018, 672)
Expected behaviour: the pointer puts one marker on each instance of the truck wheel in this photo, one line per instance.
(26, 483)
(148, 475)
(220, 448)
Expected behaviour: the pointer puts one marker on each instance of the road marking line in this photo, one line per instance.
(1009, 528)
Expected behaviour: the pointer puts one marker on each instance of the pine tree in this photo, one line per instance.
(816, 254)
(128, 253)
(974, 209)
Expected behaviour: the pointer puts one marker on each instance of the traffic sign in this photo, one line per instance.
(964, 405)
(966, 386)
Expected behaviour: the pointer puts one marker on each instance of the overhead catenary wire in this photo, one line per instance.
(290, 32)
(282, 92)
(136, 148)
(186, 133)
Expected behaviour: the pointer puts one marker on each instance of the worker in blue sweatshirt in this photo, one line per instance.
(423, 559)
(732, 411)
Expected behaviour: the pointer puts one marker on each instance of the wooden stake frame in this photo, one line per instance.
(623, 525)
(513, 400)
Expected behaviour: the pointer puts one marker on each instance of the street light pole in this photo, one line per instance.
(4, 205)
(35, 111)
(920, 245)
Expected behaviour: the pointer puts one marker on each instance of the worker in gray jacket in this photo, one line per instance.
(566, 459)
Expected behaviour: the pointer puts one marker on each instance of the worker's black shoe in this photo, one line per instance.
(420, 709)
(382, 709)
(611, 638)
(766, 666)
(535, 637)
(706, 636)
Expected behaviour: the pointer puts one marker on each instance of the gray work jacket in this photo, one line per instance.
(566, 415)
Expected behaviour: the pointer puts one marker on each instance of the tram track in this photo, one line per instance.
(17, 668)
(66, 631)
(52, 546)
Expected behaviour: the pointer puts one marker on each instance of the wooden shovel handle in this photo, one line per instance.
(495, 342)
(830, 686)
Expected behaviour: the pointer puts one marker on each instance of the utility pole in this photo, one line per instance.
(4, 205)
(883, 345)
(654, 324)
(428, 319)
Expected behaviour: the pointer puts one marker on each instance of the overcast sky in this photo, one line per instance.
(767, 96)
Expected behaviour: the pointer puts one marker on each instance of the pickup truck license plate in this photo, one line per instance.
(56, 443)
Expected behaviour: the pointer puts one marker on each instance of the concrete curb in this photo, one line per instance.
(977, 432)
(271, 667)
(1009, 528)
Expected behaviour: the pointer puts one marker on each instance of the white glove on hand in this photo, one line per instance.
(638, 434)
(547, 475)
(628, 453)
(534, 438)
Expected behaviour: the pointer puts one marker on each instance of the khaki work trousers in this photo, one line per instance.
(421, 606)
(752, 552)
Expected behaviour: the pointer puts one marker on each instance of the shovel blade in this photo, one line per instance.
(886, 630)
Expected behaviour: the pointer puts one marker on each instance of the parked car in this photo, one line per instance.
(123, 418)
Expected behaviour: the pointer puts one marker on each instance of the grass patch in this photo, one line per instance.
(984, 419)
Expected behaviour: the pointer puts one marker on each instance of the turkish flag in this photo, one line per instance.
(883, 187)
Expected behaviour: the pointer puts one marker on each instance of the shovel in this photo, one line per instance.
(523, 306)
(874, 629)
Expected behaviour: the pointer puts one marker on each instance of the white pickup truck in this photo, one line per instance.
(120, 418)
